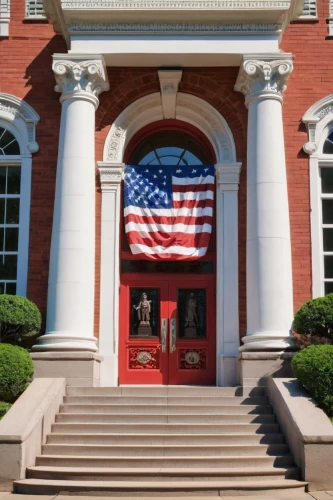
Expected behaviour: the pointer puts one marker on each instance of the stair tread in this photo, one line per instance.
(153, 457)
(163, 434)
(150, 485)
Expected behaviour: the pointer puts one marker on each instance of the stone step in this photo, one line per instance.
(166, 400)
(160, 488)
(166, 409)
(150, 428)
(164, 439)
(146, 418)
(263, 461)
(155, 474)
(165, 391)
(164, 450)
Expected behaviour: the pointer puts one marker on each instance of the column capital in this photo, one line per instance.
(227, 176)
(264, 76)
(110, 174)
(80, 77)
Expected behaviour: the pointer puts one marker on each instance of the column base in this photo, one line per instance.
(79, 368)
(267, 341)
(65, 342)
(256, 367)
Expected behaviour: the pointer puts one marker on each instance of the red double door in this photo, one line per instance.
(167, 330)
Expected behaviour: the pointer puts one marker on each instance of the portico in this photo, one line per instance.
(81, 75)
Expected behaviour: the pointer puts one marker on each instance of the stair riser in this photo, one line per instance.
(169, 400)
(148, 440)
(165, 451)
(167, 410)
(165, 429)
(166, 391)
(156, 494)
(164, 419)
(175, 462)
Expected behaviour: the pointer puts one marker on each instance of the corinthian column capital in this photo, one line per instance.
(80, 77)
(264, 77)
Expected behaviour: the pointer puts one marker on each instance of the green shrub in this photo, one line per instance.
(19, 318)
(4, 407)
(315, 317)
(314, 369)
(16, 371)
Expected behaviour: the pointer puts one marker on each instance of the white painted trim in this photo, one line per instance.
(203, 116)
(110, 177)
(319, 122)
(21, 120)
(189, 108)
(227, 312)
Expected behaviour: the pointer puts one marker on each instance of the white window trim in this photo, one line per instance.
(21, 120)
(309, 17)
(33, 17)
(319, 122)
(4, 17)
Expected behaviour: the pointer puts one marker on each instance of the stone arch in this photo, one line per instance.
(189, 108)
(21, 121)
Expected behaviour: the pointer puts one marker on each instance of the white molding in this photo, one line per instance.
(227, 311)
(21, 120)
(189, 109)
(319, 123)
(169, 81)
(110, 177)
(4, 17)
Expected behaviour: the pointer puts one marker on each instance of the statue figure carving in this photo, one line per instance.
(191, 317)
(144, 309)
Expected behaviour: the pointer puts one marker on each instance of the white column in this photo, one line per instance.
(110, 176)
(268, 262)
(70, 306)
(227, 314)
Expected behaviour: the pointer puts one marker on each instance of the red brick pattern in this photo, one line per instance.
(25, 68)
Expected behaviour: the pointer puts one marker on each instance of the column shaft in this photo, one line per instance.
(70, 306)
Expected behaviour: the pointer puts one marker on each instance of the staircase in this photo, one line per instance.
(164, 441)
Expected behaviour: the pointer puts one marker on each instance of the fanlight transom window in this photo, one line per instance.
(8, 143)
(328, 145)
(170, 148)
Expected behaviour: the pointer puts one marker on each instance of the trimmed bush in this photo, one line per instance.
(4, 407)
(16, 371)
(19, 317)
(315, 318)
(314, 369)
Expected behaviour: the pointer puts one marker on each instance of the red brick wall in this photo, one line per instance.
(310, 81)
(25, 68)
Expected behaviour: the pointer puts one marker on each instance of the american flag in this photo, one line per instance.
(169, 211)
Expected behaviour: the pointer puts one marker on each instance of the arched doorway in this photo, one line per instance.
(167, 307)
(198, 130)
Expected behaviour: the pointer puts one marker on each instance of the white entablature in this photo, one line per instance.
(170, 32)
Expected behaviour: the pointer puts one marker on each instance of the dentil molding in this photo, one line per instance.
(176, 4)
(80, 76)
(265, 76)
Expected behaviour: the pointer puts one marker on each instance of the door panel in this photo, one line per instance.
(167, 336)
(141, 360)
(192, 307)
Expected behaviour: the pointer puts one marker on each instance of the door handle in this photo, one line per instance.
(164, 323)
(173, 335)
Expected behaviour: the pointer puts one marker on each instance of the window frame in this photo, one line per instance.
(309, 17)
(25, 164)
(317, 162)
(20, 119)
(34, 17)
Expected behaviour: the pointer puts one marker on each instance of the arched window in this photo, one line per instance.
(319, 120)
(169, 148)
(17, 143)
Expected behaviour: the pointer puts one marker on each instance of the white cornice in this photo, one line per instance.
(179, 16)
